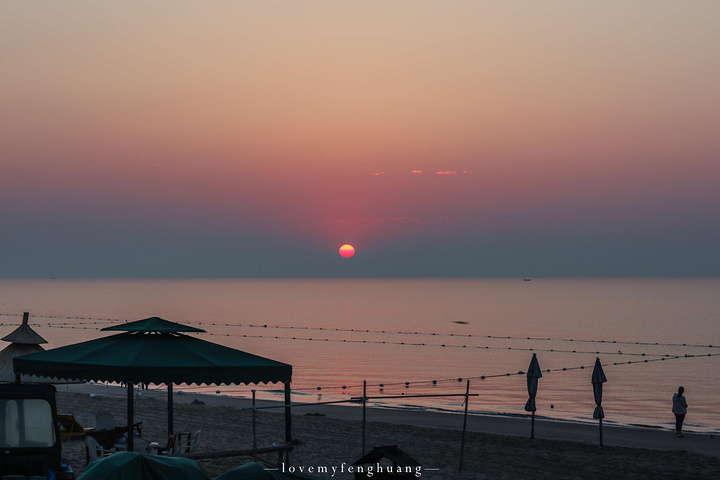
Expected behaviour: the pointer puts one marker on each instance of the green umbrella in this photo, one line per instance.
(138, 466)
(153, 357)
(155, 351)
(260, 471)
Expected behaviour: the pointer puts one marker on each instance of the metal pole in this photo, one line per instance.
(462, 444)
(254, 429)
(364, 402)
(171, 428)
(130, 439)
(601, 435)
(288, 423)
(532, 425)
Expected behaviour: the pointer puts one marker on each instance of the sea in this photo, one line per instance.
(416, 343)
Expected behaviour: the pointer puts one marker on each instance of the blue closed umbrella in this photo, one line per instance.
(533, 374)
(598, 378)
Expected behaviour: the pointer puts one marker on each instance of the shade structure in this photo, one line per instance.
(139, 357)
(24, 334)
(133, 466)
(598, 378)
(7, 374)
(154, 351)
(533, 375)
(153, 324)
(260, 471)
(24, 341)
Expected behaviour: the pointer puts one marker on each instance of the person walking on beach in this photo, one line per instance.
(679, 409)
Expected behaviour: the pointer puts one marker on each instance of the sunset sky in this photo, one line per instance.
(440, 138)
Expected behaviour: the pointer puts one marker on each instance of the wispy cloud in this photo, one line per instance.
(446, 172)
(416, 172)
(377, 174)
(391, 220)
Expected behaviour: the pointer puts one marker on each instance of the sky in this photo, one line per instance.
(440, 138)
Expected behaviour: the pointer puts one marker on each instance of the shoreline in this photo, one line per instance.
(632, 436)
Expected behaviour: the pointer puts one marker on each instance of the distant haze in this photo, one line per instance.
(440, 138)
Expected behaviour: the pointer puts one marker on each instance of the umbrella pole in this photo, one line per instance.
(601, 435)
(130, 445)
(288, 423)
(171, 429)
(532, 425)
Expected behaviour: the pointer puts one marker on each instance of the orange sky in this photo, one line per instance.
(273, 117)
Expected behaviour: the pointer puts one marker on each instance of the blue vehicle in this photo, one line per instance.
(29, 433)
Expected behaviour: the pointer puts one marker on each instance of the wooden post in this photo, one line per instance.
(171, 427)
(364, 402)
(254, 429)
(130, 407)
(288, 423)
(462, 444)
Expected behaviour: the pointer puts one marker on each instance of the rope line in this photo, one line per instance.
(410, 344)
(96, 321)
(435, 382)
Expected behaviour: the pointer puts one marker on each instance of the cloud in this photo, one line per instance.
(417, 172)
(377, 174)
(446, 172)
(391, 220)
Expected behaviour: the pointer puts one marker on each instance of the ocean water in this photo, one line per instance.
(340, 332)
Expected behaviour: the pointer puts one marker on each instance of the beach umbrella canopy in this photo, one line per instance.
(598, 378)
(533, 374)
(134, 466)
(260, 471)
(153, 351)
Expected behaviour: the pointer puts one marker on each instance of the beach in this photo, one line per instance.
(330, 436)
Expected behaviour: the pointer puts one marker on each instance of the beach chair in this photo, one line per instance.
(187, 442)
(194, 441)
(70, 427)
(94, 451)
(169, 446)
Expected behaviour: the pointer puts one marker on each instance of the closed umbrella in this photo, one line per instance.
(533, 374)
(598, 378)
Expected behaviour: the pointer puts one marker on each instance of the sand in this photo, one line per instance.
(496, 447)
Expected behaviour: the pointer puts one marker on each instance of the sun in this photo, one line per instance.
(347, 251)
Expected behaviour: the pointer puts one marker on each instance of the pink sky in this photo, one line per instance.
(277, 118)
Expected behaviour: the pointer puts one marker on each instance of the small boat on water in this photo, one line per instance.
(527, 279)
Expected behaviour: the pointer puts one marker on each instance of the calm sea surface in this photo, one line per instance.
(566, 322)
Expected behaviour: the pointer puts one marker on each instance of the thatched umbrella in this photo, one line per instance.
(24, 341)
